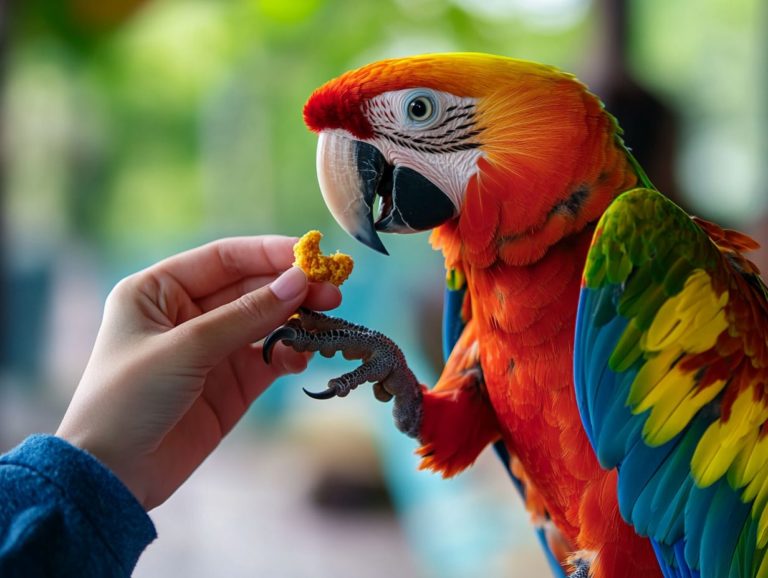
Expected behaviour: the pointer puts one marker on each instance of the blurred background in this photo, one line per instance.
(131, 129)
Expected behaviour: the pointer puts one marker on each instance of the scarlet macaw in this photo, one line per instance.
(612, 347)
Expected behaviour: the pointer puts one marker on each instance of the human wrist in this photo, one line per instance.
(98, 448)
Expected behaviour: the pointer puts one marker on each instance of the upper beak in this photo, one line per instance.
(351, 173)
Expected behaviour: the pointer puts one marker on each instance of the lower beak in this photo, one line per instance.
(351, 173)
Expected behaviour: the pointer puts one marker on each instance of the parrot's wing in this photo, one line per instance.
(456, 311)
(670, 370)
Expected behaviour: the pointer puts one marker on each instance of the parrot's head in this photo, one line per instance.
(485, 145)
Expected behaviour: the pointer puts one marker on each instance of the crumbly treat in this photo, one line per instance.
(318, 267)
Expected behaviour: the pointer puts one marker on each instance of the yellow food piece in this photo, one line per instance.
(318, 267)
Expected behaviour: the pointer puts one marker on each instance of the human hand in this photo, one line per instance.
(173, 367)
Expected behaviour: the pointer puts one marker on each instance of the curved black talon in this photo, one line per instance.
(383, 363)
(327, 394)
(284, 333)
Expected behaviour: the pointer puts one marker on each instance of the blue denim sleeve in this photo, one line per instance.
(64, 514)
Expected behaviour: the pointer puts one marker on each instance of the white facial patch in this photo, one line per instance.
(432, 132)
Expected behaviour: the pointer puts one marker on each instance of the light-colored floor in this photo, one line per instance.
(248, 513)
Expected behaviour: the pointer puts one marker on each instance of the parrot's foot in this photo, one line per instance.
(580, 569)
(383, 362)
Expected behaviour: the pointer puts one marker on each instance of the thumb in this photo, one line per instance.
(221, 331)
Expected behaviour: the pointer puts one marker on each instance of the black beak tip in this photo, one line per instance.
(373, 241)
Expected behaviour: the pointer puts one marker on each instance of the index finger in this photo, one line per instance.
(213, 266)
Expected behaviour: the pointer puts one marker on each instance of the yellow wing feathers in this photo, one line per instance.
(735, 444)
(688, 323)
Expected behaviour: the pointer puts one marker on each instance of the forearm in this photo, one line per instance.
(62, 513)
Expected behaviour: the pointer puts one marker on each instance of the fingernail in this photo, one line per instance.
(289, 285)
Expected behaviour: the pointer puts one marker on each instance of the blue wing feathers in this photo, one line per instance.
(636, 471)
(618, 428)
(667, 561)
(582, 354)
(591, 362)
(600, 379)
(647, 510)
(671, 523)
(672, 561)
(681, 564)
(453, 324)
(722, 528)
(614, 447)
(695, 514)
(674, 472)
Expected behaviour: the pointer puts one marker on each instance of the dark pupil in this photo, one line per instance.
(418, 108)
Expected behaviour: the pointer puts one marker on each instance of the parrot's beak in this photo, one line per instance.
(351, 173)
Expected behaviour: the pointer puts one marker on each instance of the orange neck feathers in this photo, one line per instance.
(552, 163)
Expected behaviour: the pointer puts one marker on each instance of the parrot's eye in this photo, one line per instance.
(421, 108)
